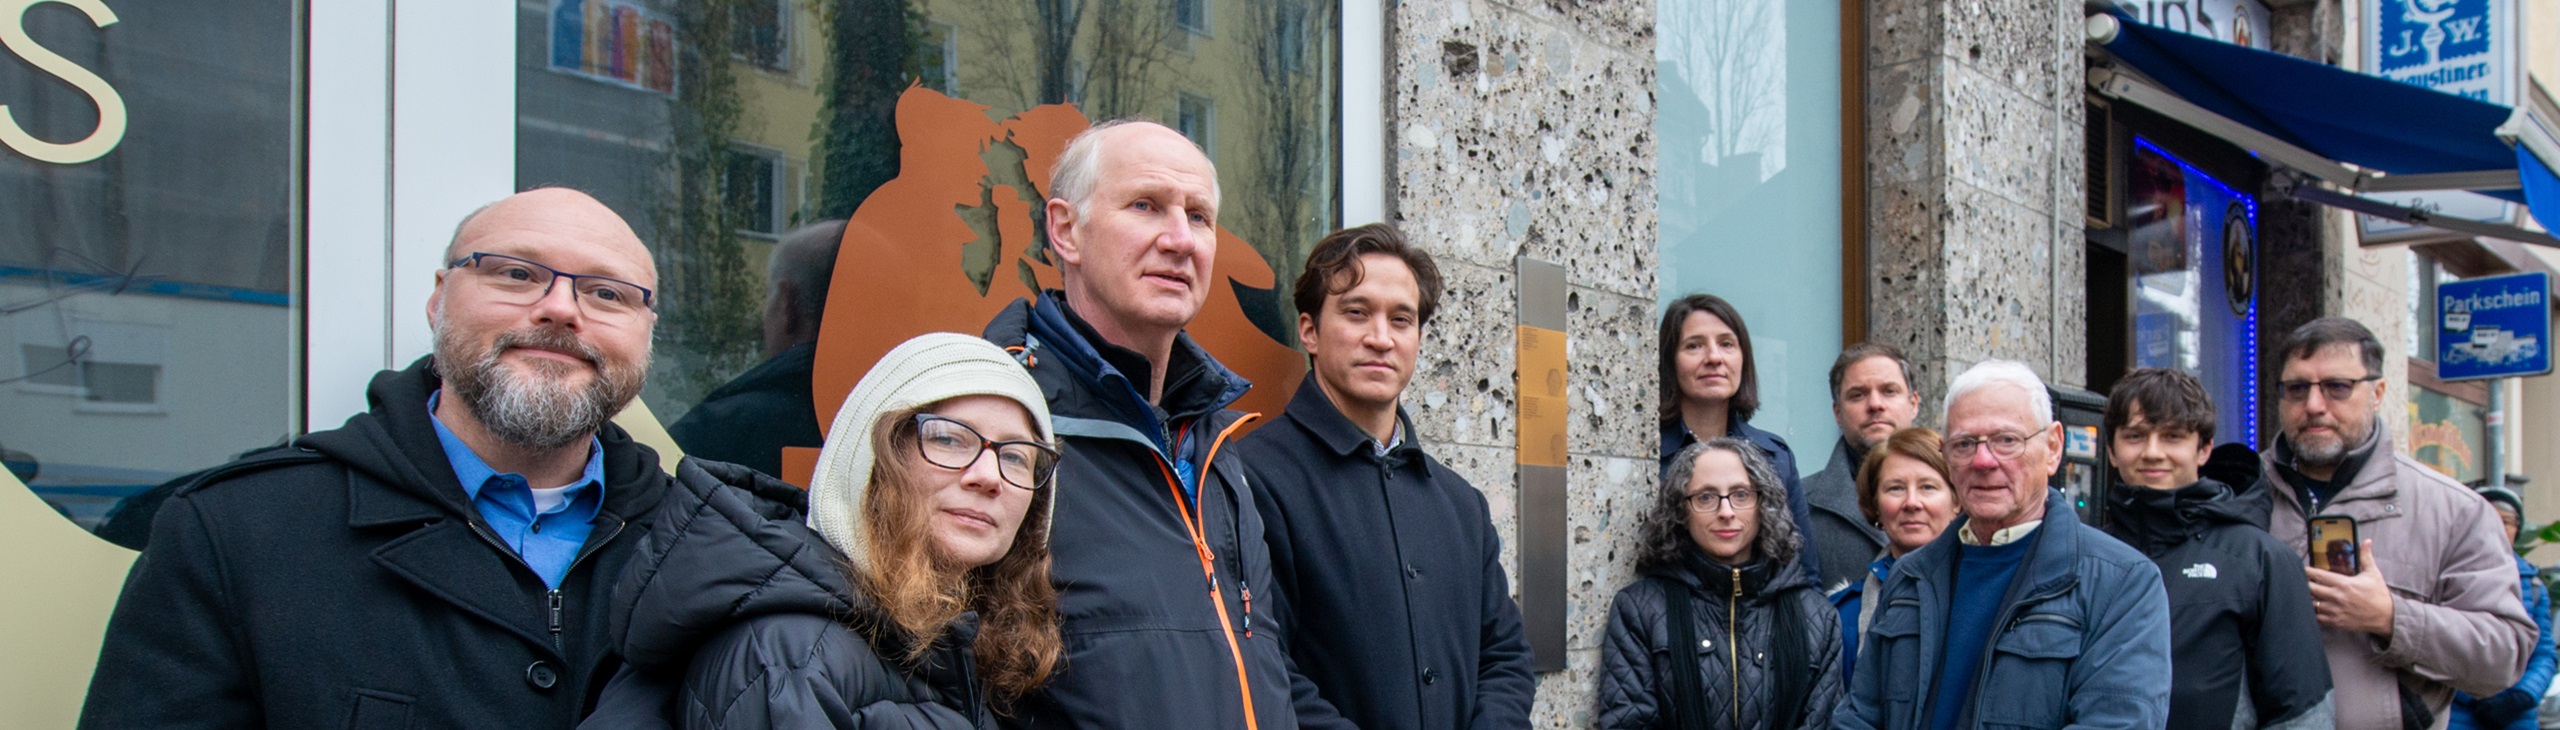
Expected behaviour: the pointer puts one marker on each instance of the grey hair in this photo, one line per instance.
(806, 257)
(1662, 533)
(1079, 166)
(2001, 372)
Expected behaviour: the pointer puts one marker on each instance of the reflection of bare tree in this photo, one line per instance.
(870, 60)
(1131, 39)
(707, 326)
(1024, 54)
(1732, 55)
(1276, 203)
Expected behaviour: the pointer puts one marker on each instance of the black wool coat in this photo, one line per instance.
(1389, 573)
(348, 583)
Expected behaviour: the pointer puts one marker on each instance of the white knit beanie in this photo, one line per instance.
(928, 369)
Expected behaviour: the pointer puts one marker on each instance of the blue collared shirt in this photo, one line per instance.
(548, 542)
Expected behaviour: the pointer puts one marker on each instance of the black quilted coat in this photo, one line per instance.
(1735, 631)
(736, 616)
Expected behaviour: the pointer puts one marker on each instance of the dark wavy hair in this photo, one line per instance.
(921, 593)
(1662, 535)
(1334, 267)
(1746, 392)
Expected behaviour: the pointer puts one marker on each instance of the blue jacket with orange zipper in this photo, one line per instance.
(1159, 550)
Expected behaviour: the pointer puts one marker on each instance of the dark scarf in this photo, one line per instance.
(1790, 659)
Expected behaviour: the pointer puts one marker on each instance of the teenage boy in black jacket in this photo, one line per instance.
(1391, 593)
(2244, 647)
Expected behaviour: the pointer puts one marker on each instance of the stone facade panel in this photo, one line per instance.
(1611, 381)
(1902, 123)
(1999, 139)
(1463, 381)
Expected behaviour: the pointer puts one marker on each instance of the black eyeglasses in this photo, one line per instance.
(521, 282)
(953, 445)
(2296, 391)
(1704, 502)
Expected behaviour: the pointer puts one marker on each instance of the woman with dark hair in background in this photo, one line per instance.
(1902, 487)
(914, 594)
(1710, 386)
(1724, 630)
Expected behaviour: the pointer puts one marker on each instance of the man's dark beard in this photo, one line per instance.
(537, 413)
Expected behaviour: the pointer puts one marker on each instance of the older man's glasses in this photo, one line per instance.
(1705, 502)
(2296, 391)
(2003, 445)
(521, 282)
(954, 445)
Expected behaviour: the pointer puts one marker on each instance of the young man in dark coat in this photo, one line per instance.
(1391, 593)
(1159, 556)
(2243, 645)
(1871, 397)
(445, 559)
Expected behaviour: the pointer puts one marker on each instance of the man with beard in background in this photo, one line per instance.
(444, 559)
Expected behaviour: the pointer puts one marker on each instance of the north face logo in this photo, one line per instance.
(2201, 570)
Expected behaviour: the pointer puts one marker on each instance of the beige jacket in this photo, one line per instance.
(2456, 619)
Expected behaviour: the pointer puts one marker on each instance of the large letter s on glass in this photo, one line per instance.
(111, 111)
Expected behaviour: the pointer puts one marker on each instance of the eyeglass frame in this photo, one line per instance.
(1693, 499)
(985, 446)
(2284, 388)
(648, 297)
(1964, 448)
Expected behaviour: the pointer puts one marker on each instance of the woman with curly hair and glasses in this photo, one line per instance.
(1724, 630)
(913, 593)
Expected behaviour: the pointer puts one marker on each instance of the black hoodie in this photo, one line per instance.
(2239, 608)
(348, 582)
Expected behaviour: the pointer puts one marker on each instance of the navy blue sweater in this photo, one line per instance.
(1982, 585)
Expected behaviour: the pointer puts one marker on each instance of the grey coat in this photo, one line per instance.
(1843, 541)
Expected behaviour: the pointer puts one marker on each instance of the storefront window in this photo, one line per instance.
(1750, 190)
(149, 269)
(788, 161)
(2192, 248)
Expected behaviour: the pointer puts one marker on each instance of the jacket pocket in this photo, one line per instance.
(378, 710)
(2029, 680)
(1893, 645)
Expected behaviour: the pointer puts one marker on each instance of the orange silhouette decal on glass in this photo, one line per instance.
(912, 262)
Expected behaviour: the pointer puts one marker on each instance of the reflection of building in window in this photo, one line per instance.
(102, 363)
(938, 58)
(755, 187)
(763, 33)
(1192, 15)
(1196, 116)
(1289, 38)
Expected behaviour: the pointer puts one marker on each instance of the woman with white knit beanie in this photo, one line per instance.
(916, 591)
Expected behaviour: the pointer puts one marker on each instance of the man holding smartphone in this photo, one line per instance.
(2432, 606)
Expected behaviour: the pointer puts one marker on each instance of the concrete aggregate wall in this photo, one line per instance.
(1525, 128)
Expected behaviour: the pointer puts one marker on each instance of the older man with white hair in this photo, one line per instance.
(2018, 615)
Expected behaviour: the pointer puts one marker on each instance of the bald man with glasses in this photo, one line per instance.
(448, 557)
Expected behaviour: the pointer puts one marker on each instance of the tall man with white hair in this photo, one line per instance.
(2432, 606)
(1158, 557)
(2017, 615)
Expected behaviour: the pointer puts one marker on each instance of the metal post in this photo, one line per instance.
(2493, 429)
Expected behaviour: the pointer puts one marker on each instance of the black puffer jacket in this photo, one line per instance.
(1635, 663)
(2244, 648)
(737, 615)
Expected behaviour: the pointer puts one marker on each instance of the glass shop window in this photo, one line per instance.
(150, 295)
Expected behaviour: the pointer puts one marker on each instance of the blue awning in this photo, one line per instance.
(2376, 124)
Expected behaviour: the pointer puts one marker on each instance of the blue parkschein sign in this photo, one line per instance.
(2495, 327)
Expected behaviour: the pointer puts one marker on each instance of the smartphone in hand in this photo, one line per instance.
(2333, 544)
